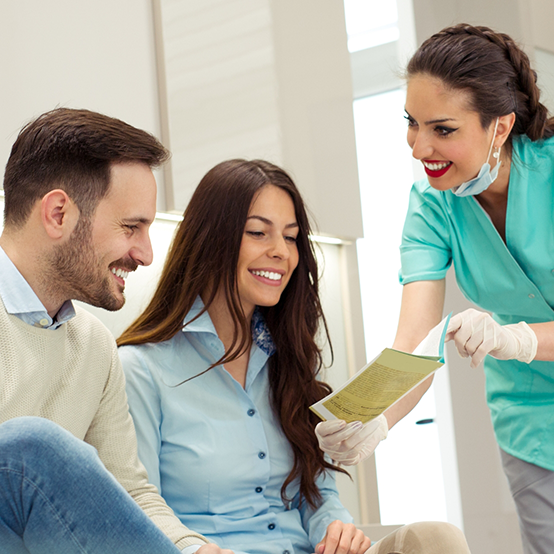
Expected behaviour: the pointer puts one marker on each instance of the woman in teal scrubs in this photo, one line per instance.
(487, 206)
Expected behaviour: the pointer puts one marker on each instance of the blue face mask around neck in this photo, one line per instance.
(484, 179)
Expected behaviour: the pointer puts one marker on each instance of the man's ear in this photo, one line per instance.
(59, 214)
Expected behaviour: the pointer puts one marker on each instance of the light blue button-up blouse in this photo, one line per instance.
(215, 450)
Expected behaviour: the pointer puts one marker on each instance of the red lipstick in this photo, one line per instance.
(436, 173)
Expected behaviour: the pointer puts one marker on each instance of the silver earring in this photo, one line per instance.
(496, 153)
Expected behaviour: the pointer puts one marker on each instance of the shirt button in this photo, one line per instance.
(286, 552)
(251, 412)
(271, 526)
(531, 296)
(258, 489)
(43, 322)
(261, 455)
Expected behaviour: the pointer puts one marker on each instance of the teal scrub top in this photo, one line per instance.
(513, 280)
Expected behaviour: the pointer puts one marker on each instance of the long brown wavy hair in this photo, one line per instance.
(202, 260)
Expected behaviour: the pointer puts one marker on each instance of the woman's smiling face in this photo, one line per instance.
(268, 253)
(444, 134)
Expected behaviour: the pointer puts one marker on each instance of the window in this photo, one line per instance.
(409, 464)
(370, 23)
(409, 470)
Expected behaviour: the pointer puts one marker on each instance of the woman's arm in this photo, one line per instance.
(329, 526)
(545, 337)
(421, 310)
(144, 406)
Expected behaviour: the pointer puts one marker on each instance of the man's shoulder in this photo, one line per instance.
(87, 326)
(85, 317)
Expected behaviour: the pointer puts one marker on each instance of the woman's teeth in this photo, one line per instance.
(436, 166)
(120, 273)
(268, 275)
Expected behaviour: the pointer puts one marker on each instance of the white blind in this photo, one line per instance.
(263, 79)
(221, 86)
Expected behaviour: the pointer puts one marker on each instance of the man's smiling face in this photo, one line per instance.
(93, 264)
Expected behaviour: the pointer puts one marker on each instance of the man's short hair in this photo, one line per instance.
(72, 150)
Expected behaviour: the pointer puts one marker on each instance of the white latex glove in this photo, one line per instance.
(351, 443)
(476, 334)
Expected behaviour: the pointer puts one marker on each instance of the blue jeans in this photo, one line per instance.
(56, 496)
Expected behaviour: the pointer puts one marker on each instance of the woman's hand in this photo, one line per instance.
(213, 549)
(476, 334)
(343, 538)
(352, 443)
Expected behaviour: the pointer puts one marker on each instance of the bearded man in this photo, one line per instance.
(80, 197)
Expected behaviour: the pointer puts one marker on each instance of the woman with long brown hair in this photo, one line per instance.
(222, 368)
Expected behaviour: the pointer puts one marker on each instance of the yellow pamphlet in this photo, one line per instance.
(384, 380)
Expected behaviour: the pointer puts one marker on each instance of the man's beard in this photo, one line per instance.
(76, 270)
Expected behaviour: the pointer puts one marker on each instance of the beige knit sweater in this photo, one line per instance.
(73, 377)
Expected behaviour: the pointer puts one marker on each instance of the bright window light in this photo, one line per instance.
(370, 23)
(409, 468)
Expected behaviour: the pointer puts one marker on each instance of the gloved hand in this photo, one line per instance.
(351, 443)
(476, 334)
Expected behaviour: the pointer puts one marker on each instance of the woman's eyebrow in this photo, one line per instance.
(432, 121)
(269, 222)
(443, 120)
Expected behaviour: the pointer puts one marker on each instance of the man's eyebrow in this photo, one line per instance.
(135, 220)
(269, 222)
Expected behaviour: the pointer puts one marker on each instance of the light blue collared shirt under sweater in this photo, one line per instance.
(21, 301)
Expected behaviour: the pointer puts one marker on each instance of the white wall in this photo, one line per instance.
(257, 78)
(97, 55)
(221, 87)
(509, 16)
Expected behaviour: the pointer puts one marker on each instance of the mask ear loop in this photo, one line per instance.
(496, 154)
